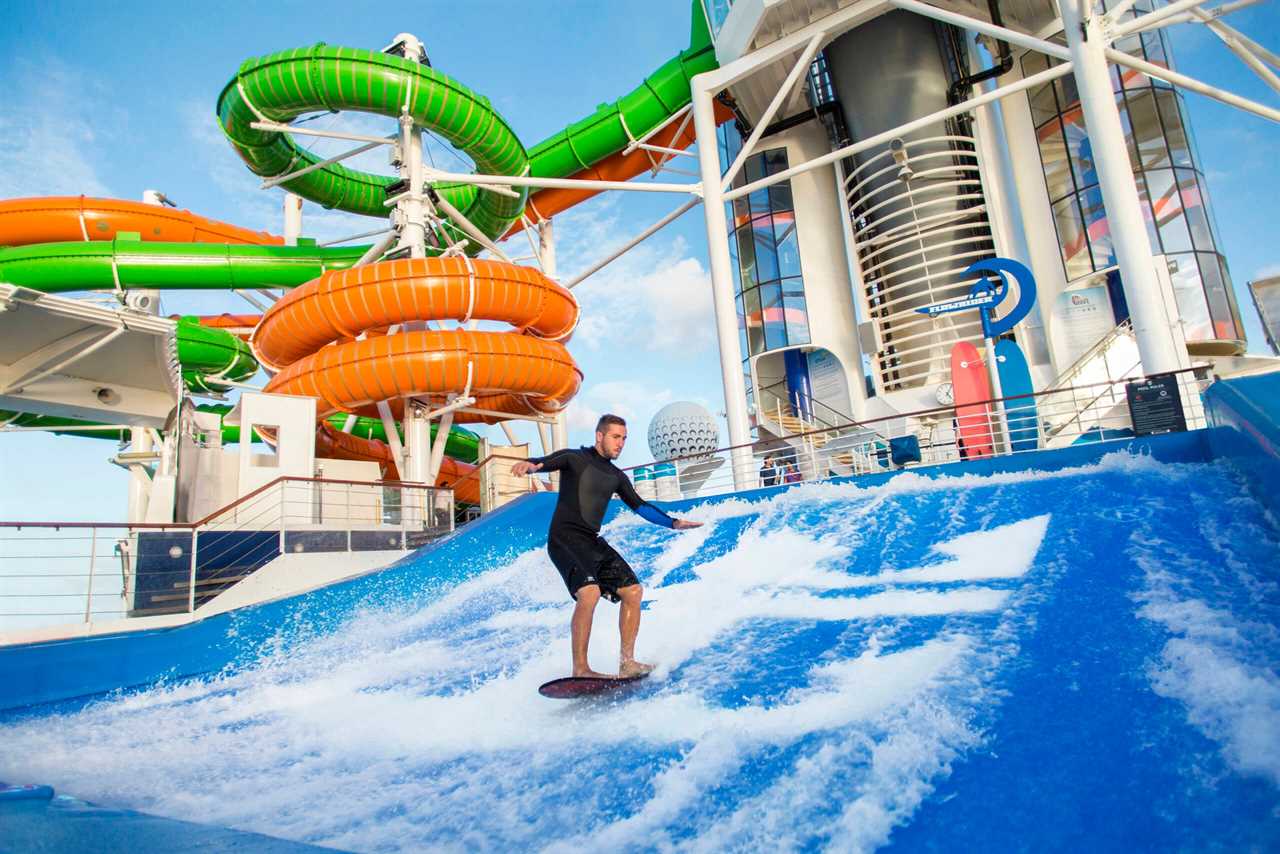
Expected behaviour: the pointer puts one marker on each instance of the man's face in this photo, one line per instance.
(610, 442)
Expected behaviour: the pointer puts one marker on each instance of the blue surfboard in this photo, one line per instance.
(1015, 380)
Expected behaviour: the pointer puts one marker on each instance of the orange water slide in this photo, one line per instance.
(316, 336)
(55, 219)
(623, 166)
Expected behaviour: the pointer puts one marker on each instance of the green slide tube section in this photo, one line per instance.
(207, 355)
(282, 86)
(102, 264)
(651, 104)
(462, 445)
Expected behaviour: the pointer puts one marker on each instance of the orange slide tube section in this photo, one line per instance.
(326, 339)
(622, 166)
(69, 218)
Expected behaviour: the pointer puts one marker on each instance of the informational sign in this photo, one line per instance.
(827, 383)
(1155, 406)
(1081, 317)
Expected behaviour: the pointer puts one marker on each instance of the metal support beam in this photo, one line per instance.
(783, 93)
(1119, 191)
(487, 181)
(1231, 38)
(469, 227)
(1152, 19)
(722, 283)
(306, 170)
(985, 27)
(902, 130)
(634, 242)
(1120, 58)
(55, 356)
(328, 134)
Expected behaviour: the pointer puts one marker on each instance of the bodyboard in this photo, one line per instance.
(572, 687)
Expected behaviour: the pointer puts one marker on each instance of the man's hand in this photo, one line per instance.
(525, 467)
(685, 524)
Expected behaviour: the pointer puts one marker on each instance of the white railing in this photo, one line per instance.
(919, 220)
(61, 572)
(1097, 412)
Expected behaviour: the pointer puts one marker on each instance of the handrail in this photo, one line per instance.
(221, 510)
(920, 413)
(1124, 327)
(811, 399)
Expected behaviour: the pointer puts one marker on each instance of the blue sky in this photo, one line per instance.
(112, 101)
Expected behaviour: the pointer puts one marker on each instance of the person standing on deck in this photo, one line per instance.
(590, 567)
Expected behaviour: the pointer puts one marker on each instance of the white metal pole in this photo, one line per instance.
(292, 219)
(547, 248)
(1151, 325)
(393, 438)
(93, 554)
(722, 289)
(437, 452)
(139, 486)
(417, 435)
(414, 231)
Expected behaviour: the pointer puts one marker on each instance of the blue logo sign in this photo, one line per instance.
(986, 295)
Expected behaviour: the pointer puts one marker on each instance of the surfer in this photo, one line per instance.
(590, 567)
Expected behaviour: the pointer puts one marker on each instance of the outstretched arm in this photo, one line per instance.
(646, 511)
(552, 462)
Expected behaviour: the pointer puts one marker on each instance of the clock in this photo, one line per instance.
(945, 395)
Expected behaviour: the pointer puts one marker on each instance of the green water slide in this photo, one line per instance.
(282, 86)
(650, 105)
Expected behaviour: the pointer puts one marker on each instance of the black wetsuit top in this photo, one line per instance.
(587, 482)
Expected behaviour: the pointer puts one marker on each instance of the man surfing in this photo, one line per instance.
(589, 565)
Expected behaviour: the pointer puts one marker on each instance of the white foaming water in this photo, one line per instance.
(422, 727)
(1233, 700)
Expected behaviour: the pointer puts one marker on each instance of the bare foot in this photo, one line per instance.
(631, 667)
(592, 674)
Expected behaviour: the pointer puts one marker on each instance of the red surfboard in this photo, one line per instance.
(571, 687)
(969, 385)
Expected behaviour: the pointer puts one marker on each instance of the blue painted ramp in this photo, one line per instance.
(1081, 654)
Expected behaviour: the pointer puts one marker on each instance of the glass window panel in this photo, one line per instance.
(1147, 217)
(1215, 291)
(755, 323)
(733, 258)
(742, 329)
(1053, 152)
(1097, 228)
(1156, 54)
(1127, 127)
(775, 160)
(1173, 128)
(1231, 295)
(1068, 94)
(793, 287)
(1075, 249)
(741, 211)
(1189, 294)
(1078, 148)
(746, 257)
(766, 254)
(797, 319)
(1147, 132)
(1194, 208)
(780, 197)
(775, 328)
(1167, 204)
(754, 171)
(784, 234)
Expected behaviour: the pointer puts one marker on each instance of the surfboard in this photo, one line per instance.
(970, 385)
(1015, 379)
(572, 687)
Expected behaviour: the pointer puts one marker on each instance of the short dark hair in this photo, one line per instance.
(602, 425)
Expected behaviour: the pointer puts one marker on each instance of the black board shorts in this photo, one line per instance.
(584, 558)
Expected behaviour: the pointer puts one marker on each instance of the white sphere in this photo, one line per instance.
(682, 429)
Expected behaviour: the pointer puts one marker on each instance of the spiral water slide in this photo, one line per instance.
(314, 337)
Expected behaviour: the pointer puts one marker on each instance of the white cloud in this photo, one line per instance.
(52, 123)
(656, 297)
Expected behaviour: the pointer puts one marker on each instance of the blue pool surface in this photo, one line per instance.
(1072, 650)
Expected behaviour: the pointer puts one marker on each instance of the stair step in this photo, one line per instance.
(206, 582)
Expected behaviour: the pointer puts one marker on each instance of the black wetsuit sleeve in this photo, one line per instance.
(627, 492)
(559, 461)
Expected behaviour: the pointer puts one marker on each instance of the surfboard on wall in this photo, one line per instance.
(1015, 380)
(969, 385)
